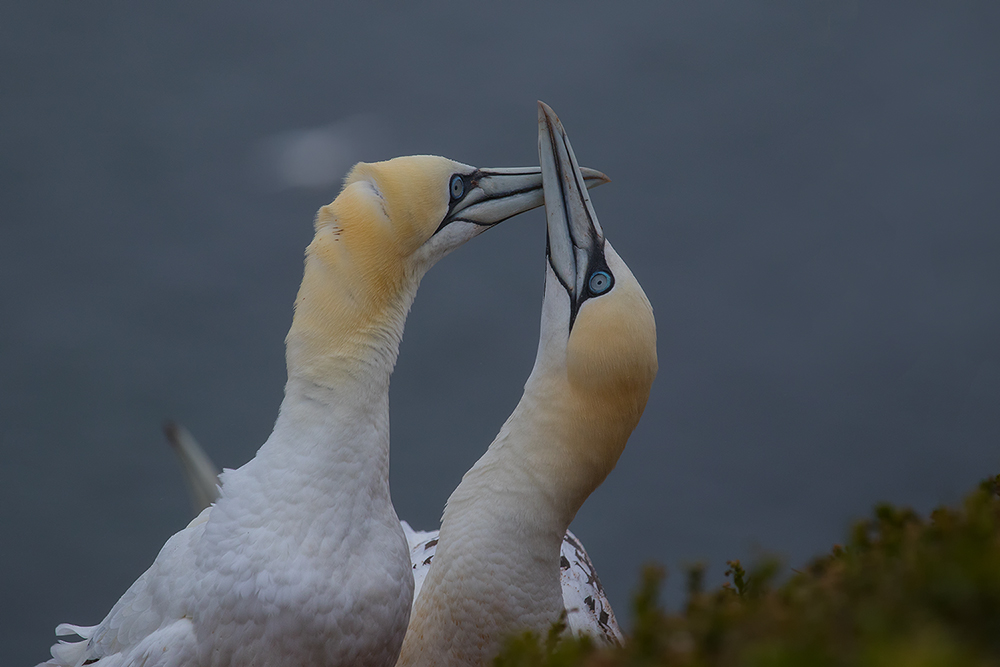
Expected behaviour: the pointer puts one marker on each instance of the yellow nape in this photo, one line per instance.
(359, 279)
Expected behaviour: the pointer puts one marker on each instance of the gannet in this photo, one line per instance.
(497, 566)
(302, 560)
(587, 606)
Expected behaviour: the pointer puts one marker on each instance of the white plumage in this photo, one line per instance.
(588, 610)
(302, 560)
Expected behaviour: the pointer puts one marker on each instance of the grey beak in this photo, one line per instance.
(575, 237)
(498, 194)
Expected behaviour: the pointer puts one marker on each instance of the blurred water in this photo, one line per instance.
(807, 192)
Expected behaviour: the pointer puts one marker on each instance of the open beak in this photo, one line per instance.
(575, 247)
(498, 194)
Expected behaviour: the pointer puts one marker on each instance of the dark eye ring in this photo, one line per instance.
(599, 282)
(457, 187)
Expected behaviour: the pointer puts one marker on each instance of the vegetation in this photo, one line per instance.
(904, 591)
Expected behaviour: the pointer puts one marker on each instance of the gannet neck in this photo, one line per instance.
(553, 451)
(334, 441)
(355, 294)
(496, 569)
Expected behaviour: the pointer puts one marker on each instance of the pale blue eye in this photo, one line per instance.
(599, 283)
(457, 187)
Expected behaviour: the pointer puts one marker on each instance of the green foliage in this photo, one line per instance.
(528, 650)
(904, 591)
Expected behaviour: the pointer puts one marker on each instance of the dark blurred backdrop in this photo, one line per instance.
(808, 192)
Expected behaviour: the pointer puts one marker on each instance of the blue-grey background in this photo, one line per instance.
(808, 192)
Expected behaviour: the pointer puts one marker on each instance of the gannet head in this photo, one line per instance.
(390, 223)
(597, 351)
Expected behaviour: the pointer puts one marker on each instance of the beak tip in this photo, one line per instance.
(546, 116)
(549, 121)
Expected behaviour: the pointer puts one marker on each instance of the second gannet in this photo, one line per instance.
(497, 566)
(302, 560)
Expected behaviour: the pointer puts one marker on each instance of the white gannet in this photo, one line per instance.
(497, 566)
(588, 608)
(302, 560)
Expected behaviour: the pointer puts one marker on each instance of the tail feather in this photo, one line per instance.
(85, 631)
(200, 472)
(69, 654)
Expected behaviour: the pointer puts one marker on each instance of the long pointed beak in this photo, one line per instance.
(575, 238)
(498, 194)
